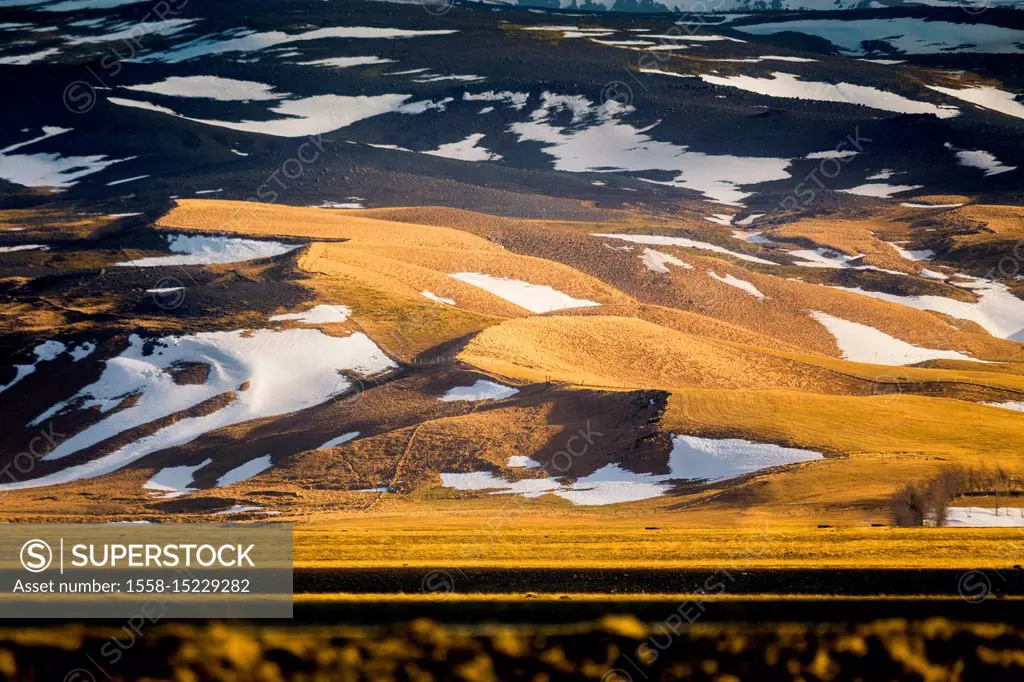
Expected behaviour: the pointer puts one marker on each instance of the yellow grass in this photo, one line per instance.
(735, 366)
(981, 225)
(421, 256)
(394, 314)
(852, 237)
(619, 352)
(880, 443)
(918, 327)
(901, 424)
(566, 540)
(940, 198)
(67, 223)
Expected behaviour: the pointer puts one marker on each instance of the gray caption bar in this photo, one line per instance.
(91, 571)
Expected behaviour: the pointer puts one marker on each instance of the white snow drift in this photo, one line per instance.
(247, 40)
(465, 150)
(980, 517)
(997, 310)
(692, 458)
(986, 97)
(537, 298)
(788, 85)
(861, 343)
(321, 314)
(685, 242)
(340, 440)
(659, 262)
(210, 87)
(596, 140)
(44, 352)
(979, 158)
(740, 284)
(347, 62)
(47, 169)
(245, 471)
(260, 373)
(481, 390)
(24, 247)
(307, 116)
(437, 299)
(174, 481)
(203, 250)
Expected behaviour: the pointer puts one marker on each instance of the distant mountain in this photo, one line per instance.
(642, 6)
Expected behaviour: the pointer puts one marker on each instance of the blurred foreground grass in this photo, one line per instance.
(615, 649)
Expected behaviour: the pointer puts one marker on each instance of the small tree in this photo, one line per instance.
(908, 507)
(1002, 483)
(950, 484)
(915, 504)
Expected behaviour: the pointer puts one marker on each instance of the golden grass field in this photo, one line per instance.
(716, 361)
(464, 539)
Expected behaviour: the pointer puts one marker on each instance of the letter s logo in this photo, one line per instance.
(36, 556)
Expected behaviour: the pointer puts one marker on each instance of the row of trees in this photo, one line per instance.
(928, 502)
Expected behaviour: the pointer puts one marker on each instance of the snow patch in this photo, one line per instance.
(437, 299)
(516, 100)
(861, 343)
(211, 87)
(48, 169)
(126, 180)
(321, 314)
(979, 517)
(979, 158)
(44, 352)
(261, 373)
(997, 310)
(481, 390)
(537, 298)
(522, 462)
(465, 150)
(831, 154)
(245, 471)
(347, 205)
(307, 116)
(1015, 406)
(203, 250)
(986, 97)
(880, 190)
(789, 85)
(30, 58)
(911, 204)
(606, 144)
(914, 255)
(347, 62)
(685, 242)
(174, 481)
(738, 283)
(659, 262)
(247, 40)
(340, 440)
(24, 247)
(692, 458)
(236, 509)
